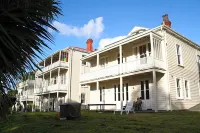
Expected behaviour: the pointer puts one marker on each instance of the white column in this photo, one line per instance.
(155, 90)
(147, 50)
(121, 79)
(50, 79)
(121, 95)
(40, 102)
(120, 56)
(59, 56)
(58, 82)
(43, 83)
(48, 102)
(152, 48)
(33, 102)
(51, 59)
(44, 63)
(98, 92)
(57, 101)
(97, 60)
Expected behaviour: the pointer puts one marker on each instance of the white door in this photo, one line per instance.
(145, 95)
(102, 96)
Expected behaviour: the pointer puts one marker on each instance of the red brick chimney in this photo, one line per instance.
(166, 20)
(89, 45)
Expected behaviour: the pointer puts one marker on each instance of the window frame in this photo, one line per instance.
(106, 61)
(83, 97)
(188, 85)
(181, 55)
(181, 88)
(115, 92)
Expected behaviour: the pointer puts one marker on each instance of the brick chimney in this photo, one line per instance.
(166, 20)
(89, 45)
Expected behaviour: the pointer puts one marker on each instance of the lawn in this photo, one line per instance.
(93, 122)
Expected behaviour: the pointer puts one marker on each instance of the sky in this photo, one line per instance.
(106, 21)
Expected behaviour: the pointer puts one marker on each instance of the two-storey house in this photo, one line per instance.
(25, 88)
(58, 80)
(159, 65)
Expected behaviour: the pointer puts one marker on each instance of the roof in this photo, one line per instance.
(136, 29)
(124, 40)
(128, 38)
(68, 48)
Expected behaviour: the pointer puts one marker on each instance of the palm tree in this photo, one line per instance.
(23, 35)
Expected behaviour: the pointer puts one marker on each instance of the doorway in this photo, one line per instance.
(145, 95)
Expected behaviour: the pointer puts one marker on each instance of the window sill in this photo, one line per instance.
(188, 99)
(179, 98)
(181, 65)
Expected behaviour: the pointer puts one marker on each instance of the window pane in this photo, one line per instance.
(127, 91)
(115, 93)
(178, 87)
(100, 94)
(142, 85)
(149, 47)
(142, 89)
(147, 89)
(186, 89)
(118, 92)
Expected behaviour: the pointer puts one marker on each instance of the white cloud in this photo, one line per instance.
(93, 28)
(106, 41)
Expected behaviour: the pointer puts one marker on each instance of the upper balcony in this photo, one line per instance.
(26, 83)
(51, 89)
(58, 59)
(55, 81)
(141, 54)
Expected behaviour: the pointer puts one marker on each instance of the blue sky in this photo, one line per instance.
(113, 18)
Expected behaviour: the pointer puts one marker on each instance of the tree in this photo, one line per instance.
(23, 35)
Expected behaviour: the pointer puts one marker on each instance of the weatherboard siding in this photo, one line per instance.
(189, 71)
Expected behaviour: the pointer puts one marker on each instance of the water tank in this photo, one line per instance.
(70, 110)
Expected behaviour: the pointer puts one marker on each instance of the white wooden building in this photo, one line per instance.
(159, 65)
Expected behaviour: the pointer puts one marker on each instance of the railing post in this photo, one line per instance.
(152, 48)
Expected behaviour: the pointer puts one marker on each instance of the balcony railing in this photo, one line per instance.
(51, 88)
(26, 83)
(52, 66)
(26, 98)
(127, 67)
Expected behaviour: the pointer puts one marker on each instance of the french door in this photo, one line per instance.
(146, 95)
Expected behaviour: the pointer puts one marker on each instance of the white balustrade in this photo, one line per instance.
(51, 88)
(52, 66)
(127, 67)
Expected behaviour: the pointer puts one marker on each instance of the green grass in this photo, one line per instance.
(93, 122)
